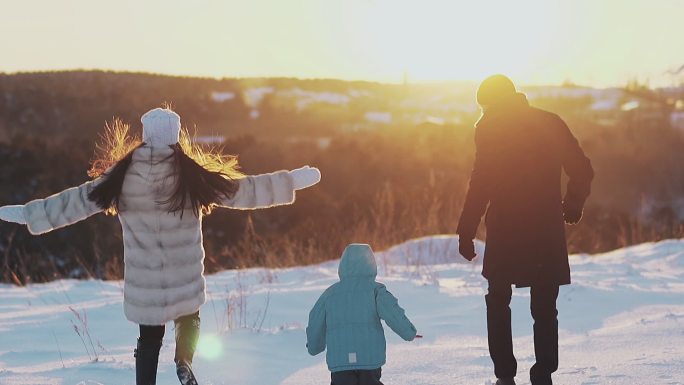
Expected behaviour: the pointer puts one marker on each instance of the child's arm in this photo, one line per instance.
(274, 189)
(390, 311)
(315, 331)
(56, 211)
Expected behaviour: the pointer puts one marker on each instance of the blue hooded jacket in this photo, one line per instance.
(346, 318)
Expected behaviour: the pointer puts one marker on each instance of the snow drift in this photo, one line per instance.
(621, 322)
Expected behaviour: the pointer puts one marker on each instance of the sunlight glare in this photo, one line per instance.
(435, 40)
(210, 347)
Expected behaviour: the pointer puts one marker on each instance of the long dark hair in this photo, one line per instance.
(204, 177)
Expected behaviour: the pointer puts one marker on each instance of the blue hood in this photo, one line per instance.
(358, 261)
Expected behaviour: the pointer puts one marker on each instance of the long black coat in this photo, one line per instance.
(517, 172)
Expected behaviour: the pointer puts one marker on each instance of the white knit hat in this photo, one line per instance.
(161, 127)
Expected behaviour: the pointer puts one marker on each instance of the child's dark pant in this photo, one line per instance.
(356, 377)
(150, 341)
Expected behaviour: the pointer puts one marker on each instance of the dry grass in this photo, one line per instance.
(389, 221)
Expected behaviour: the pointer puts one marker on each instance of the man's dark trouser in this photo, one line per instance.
(356, 377)
(544, 312)
(149, 343)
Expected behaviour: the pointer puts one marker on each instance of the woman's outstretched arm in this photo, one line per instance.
(56, 211)
(273, 189)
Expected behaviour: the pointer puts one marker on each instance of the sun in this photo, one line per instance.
(438, 40)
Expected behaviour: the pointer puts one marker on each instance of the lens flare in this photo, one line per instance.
(210, 347)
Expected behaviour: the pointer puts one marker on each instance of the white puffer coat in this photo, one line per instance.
(163, 253)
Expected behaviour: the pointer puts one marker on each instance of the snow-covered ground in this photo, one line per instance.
(622, 322)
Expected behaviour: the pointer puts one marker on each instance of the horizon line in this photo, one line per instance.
(567, 83)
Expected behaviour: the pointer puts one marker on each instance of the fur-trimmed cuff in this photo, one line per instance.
(283, 188)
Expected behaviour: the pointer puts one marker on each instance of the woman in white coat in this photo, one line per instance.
(160, 189)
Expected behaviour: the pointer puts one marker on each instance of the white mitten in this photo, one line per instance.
(305, 177)
(13, 213)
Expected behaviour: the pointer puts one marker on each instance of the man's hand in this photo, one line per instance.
(572, 214)
(467, 248)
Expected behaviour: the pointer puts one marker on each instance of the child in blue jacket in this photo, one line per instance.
(346, 319)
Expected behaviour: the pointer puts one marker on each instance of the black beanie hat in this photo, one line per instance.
(493, 88)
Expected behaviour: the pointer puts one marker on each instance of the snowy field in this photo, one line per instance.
(622, 322)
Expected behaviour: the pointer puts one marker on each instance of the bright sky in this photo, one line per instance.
(594, 42)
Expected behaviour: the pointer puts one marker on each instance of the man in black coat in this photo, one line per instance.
(516, 178)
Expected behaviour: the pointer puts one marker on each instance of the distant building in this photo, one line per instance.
(378, 117)
(305, 97)
(604, 111)
(222, 97)
(560, 92)
(322, 142)
(677, 119)
(420, 119)
(644, 114)
(210, 139)
(254, 96)
(604, 108)
(355, 93)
